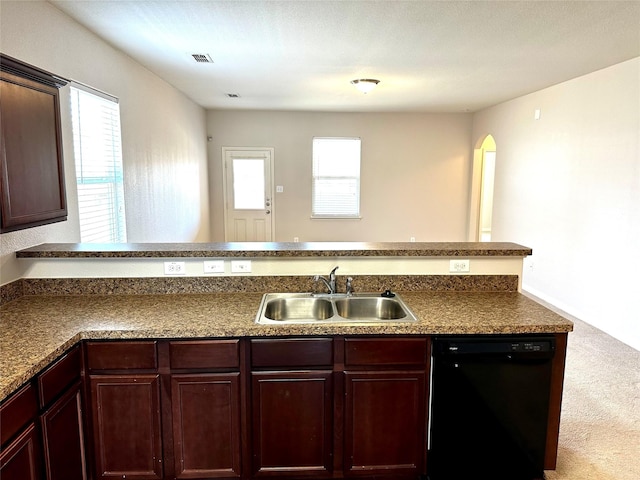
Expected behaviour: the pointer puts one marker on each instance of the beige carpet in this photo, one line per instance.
(600, 423)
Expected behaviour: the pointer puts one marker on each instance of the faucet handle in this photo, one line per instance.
(349, 289)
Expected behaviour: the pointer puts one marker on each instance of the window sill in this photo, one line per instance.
(336, 217)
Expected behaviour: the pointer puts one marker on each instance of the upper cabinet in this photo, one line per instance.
(32, 186)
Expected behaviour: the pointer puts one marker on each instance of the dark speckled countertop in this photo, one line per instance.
(34, 330)
(276, 249)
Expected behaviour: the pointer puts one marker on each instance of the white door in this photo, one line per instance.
(248, 193)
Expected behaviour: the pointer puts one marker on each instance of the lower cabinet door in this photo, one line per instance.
(126, 424)
(385, 423)
(206, 425)
(292, 423)
(20, 460)
(63, 436)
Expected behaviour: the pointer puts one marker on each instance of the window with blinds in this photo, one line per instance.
(98, 160)
(336, 178)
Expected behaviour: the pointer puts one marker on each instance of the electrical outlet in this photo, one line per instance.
(174, 268)
(240, 266)
(412, 239)
(214, 266)
(296, 239)
(457, 266)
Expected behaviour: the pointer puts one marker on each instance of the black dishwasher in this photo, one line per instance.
(489, 407)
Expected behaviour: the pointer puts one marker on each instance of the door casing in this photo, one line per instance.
(268, 211)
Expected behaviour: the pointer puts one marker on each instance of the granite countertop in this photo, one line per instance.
(276, 249)
(34, 330)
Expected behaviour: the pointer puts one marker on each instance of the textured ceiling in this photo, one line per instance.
(435, 56)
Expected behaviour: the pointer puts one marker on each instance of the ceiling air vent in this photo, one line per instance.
(202, 57)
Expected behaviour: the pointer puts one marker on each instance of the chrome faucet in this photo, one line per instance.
(331, 283)
(317, 278)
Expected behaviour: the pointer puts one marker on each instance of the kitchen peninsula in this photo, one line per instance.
(171, 321)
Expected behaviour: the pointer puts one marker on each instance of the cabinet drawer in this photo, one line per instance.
(122, 356)
(15, 413)
(205, 354)
(59, 376)
(385, 351)
(291, 352)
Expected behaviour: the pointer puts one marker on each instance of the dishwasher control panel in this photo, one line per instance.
(530, 347)
(494, 345)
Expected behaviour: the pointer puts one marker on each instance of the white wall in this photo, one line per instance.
(163, 132)
(568, 186)
(414, 172)
(267, 266)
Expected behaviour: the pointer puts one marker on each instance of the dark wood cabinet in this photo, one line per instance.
(63, 438)
(17, 411)
(334, 407)
(124, 387)
(125, 356)
(307, 407)
(385, 406)
(21, 459)
(206, 425)
(384, 422)
(205, 409)
(44, 424)
(166, 409)
(292, 423)
(292, 407)
(126, 426)
(62, 418)
(32, 185)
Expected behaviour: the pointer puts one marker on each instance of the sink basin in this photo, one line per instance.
(289, 308)
(297, 309)
(379, 308)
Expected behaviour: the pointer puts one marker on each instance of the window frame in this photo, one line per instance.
(107, 172)
(315, 177)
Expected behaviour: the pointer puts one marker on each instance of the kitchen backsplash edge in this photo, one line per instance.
(291, 283)
(11, 291)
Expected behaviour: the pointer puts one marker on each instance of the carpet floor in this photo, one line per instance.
(600, 422)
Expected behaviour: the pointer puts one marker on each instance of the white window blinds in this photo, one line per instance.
(336, 177)
(98, 159)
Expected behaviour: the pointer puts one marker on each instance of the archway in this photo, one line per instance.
(481, 208)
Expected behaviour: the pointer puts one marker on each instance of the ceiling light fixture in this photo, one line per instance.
(365, 85)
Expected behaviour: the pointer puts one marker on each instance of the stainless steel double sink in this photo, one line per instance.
(288, 308)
